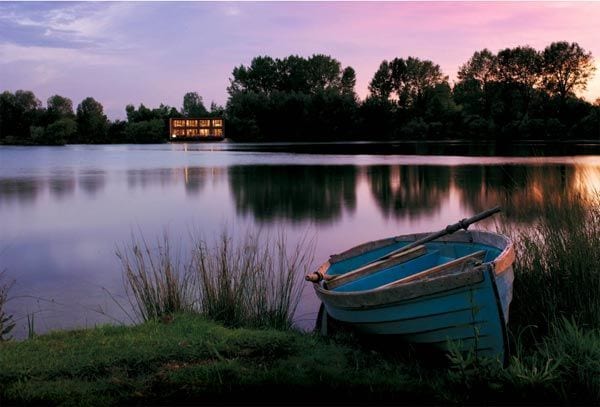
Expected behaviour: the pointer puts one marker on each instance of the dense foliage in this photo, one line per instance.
(518, 93)
(23, 120)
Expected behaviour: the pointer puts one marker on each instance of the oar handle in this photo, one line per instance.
(317, 276)
(465, 223)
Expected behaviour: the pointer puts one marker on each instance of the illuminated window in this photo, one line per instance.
(218, 132)
(191, 132)
(217, 123)
(204, 123)
(203, 132)
(178, 123)
(191, 123)
(179, 132)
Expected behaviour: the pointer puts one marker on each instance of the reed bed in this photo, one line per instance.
(557, 271)
(6, 321)
(253, 281)
(157, 281)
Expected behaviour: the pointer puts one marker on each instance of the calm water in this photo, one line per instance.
(64, 210)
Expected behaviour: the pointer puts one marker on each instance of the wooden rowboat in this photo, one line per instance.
(451, 292)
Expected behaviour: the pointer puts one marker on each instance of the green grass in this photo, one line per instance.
(192, 359)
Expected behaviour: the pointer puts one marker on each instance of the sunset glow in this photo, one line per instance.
(153, 53)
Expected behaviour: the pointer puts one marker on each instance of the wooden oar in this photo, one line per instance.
(462, 224)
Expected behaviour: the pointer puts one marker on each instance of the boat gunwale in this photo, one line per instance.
(378, 297)
(500, 264)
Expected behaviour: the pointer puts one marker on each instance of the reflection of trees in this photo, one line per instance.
(91, 182)
(409, 190)
(522, 190)
(194, 178)
(149, 177)
(62, 186)
(21, 190)
(293, 192)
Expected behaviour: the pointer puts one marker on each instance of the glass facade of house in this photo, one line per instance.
(196, 128)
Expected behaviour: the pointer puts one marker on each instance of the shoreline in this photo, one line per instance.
(189, 359)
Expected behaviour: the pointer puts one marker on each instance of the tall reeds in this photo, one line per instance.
(253, 280)
(6, 321)
(557, 272)
(156, 280)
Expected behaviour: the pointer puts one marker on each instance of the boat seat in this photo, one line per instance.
(376, 266)
(451, 267)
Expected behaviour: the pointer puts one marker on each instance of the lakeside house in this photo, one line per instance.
(196, 129)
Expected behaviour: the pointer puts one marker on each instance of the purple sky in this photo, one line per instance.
(155, 52)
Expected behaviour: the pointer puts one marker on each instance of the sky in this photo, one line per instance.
(154, 52)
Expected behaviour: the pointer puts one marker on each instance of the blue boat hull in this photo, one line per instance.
(466, 310)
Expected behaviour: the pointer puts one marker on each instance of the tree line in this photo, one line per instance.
(23, 120)
(517, 93)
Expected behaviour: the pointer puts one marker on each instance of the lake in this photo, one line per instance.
(65, 210)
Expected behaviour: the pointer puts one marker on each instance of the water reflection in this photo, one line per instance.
(294, 193)
(52, 245)
(321, 193)
(150, 177)
(409, 190)
(62, 186)
(21, 190)
(522, 191)
(92, 182)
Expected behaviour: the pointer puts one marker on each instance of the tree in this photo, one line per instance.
(145, 125)
(381, 84)
(348, 81)
(519, 69)
(566, 69)
(57, 133)
(7, 115)
(412, 77)
(482, 68)
(59, 107)
(18, 113)
(216, 110)
(92, 124)
(193, 105)
(324, 72)
(520, 65)
(474, 78)
(291, 74)
(261, 76)
(142, 114)
(149, 131)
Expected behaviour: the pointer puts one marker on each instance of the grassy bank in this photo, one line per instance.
(191, 359)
